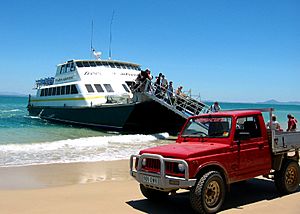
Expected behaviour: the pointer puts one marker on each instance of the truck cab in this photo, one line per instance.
(211, 152)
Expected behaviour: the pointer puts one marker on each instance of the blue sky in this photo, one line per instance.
(226, 50)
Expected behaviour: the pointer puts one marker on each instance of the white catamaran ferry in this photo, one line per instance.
(98, 93)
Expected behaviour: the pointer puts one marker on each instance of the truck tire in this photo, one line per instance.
(208, 195)
(287, 179)
(152, 194)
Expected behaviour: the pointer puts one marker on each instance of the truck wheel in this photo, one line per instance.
(152, 194)
(208, 195)
(287, 179)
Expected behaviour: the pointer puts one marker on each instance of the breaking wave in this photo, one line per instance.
(90, 149)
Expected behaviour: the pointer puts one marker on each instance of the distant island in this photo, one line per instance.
(268, 102)
(272, 101)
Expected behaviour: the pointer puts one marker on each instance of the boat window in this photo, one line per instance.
(98, 63)
(130, 84)
(68, 87)
(63, 90)
(125, 87)
(46, 91)
(89, 88)
(111, 64)
(58, 91)
(93, 64)
(74, 89)
(118, 65)
(79, 64)
(53, 91)
(86, 64)
(42, 92)
(105, 64)
(72, 68)
(67, 68)
(99, 88)
(57, 70)
(108, 88)
(50, 92)
(62, 69)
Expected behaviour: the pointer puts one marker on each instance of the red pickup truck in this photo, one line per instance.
(215, 150)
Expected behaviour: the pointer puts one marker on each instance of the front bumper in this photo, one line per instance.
(160, 181)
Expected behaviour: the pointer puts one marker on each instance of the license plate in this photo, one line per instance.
(150, 179)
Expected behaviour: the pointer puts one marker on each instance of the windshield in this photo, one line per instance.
(208, 127)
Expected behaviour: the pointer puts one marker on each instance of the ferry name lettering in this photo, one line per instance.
(64, 79)
(92, 73)
(128, 74)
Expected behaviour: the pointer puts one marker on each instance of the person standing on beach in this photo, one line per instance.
(215, 107)
(275, 124)
(292, 123)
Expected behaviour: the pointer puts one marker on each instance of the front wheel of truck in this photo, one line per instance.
(288, 177)
(208, 195)
(152, 194)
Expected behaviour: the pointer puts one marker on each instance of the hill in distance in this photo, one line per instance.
(272, 101)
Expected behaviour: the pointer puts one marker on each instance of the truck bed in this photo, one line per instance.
(285, 141)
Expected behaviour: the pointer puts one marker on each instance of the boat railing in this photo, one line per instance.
(181, 102)
(44, 82)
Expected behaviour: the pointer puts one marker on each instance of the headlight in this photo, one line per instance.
(144, 162)
(181, 167)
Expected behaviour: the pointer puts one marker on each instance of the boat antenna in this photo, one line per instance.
(92, 35)
(110, 34)
(97, 55)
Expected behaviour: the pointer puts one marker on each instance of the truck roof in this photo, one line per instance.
(238, 112)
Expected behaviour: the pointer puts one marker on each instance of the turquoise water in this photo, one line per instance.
(26, 140)
(16, 127)
(281, 111)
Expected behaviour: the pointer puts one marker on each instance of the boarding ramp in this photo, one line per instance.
(181, 104)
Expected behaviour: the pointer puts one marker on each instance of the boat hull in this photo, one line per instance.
(144, 117)
(112, 117)
(152, 117)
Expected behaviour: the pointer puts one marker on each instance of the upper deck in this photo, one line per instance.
(77, 70)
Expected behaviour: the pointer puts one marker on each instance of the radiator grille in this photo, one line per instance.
(153, 165)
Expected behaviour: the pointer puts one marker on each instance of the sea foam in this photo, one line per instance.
(101, 148)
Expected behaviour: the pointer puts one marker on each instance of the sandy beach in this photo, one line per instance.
(106, 187)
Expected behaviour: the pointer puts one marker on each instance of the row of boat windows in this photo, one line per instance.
(72, 89)
(60, 90)
(100, 89)
(106, 64)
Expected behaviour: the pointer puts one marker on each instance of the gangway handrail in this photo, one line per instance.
(178, 103)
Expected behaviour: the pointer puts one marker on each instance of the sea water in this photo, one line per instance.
(26, 140)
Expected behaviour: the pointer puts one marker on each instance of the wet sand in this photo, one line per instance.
(106, 187)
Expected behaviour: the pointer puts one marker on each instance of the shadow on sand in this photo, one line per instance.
(254, 190)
